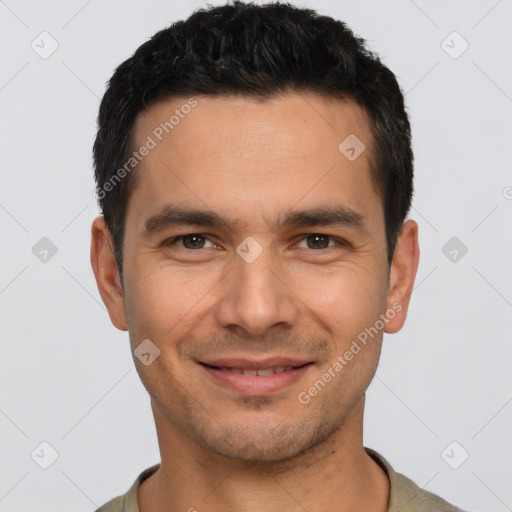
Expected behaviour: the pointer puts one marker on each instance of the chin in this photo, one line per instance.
(268, 447)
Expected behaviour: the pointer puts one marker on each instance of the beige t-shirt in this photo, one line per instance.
(404, 494)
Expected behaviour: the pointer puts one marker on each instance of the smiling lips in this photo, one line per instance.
(256, 378)
(262, 373)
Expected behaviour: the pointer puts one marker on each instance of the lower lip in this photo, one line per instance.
(255, 385)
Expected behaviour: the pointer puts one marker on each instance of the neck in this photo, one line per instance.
(336, 475)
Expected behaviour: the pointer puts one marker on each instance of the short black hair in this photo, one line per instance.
(256, 51)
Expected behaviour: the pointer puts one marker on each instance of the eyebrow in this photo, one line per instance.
(321, 216)
(175, 216)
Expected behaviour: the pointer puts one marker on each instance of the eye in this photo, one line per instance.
(191, 241)
(317, 241)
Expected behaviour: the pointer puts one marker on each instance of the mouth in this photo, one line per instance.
(261, 372)
(256, 378)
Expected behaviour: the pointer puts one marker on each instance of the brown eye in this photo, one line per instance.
(318, 241)
(193, 241)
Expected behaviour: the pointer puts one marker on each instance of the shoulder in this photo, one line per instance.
(128, 502)
(114, 505)
(406, 495)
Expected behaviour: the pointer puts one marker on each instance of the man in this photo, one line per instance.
(254, 170)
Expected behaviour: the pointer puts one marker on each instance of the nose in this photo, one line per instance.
(256, 297)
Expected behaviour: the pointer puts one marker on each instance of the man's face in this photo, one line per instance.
(267, 288)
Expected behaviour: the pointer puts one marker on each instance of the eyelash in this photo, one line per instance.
(339, 241)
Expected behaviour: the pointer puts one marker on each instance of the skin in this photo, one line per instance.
(252, 161)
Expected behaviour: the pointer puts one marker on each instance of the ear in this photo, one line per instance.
(402, 274)
(106, 272)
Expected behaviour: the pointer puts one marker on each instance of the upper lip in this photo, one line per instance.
(251, 363)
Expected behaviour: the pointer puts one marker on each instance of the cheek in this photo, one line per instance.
(345, 301)
(165, 299)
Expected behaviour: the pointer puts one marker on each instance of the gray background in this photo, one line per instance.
(66, 374)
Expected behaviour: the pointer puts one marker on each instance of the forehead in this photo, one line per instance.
(245, 123)
(235, 154)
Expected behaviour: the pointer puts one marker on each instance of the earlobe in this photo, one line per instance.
(105, 270)
(402, 274)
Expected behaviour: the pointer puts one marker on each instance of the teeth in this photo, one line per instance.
(262, 373)
(265, 373)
